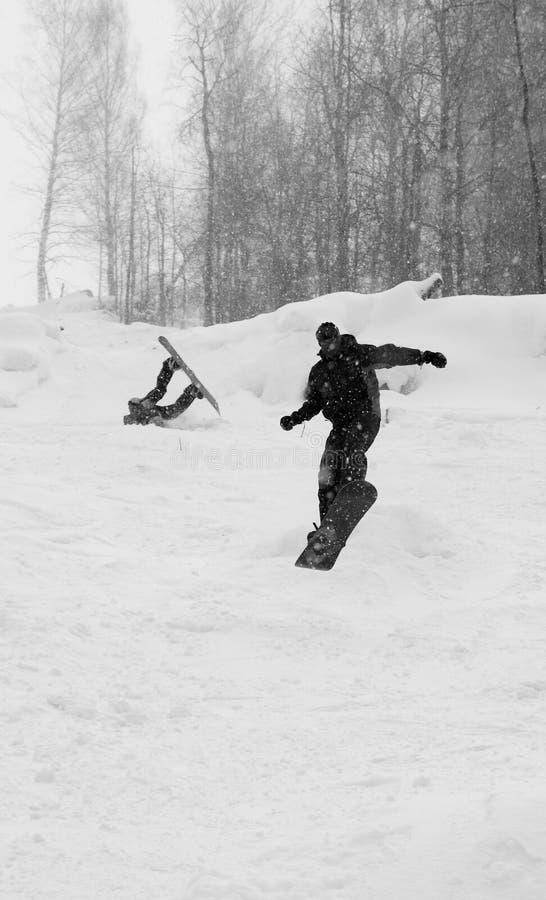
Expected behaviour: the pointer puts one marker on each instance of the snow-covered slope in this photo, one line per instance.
(186, 716)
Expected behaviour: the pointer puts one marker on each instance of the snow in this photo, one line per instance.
(26, 342)
(185, 714)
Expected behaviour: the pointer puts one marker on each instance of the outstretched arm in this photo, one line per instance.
(388, 355)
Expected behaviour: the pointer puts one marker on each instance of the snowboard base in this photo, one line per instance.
(326, 543)
(189, 372)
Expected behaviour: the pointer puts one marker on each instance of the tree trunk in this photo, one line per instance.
(42, 284)
(446, 195)
(404, 214)
(414, 240)
(162, 300)
(148, 257)
(109, 235)
(41, 274)
(130, 279)
(208, 274)
(339, 119)
(459, 203)
(52, 174)
(535, 181)
(489, 206)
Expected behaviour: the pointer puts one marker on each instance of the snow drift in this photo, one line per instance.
(185, 715)
(26, 344)
(486, 339)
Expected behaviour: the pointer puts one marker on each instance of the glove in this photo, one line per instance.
(194, 391)
(173, 364)
(287, 423)
(435, 359)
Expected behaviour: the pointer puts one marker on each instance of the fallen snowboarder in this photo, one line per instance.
(344, 387)
(146, 410)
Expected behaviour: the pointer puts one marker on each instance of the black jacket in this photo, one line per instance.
(345, 389)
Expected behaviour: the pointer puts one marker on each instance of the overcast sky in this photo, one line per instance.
(12, 216)
(154, 28)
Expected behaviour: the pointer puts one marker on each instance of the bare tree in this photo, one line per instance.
(341, 106)
(107, 131)
(53, 107)
(202, 27)
(390, 149)
(531, 152)
(130, 279)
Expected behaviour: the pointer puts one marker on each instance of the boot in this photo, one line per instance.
(323, 539)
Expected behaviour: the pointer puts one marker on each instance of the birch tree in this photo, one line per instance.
(107, 131)
(53, 106)
(201, 45)
(531, 150)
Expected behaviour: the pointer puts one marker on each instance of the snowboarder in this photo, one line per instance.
(145, 410)
(343, 386)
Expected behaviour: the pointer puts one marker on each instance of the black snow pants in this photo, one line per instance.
(344, 458)
(146, 408)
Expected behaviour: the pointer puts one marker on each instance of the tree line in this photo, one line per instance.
(382, 140)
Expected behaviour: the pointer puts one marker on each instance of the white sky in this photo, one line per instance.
(154, 31)
(14, 207)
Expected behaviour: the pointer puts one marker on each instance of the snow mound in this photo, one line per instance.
(271, 354)
(16, 325)
(484, 338)
(26, 344)
(78, 302)
(267, 359)
(418, 534)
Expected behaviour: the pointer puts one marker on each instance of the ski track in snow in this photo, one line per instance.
(186, 716)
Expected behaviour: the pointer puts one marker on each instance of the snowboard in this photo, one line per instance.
(326, 543)
(190, 373)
